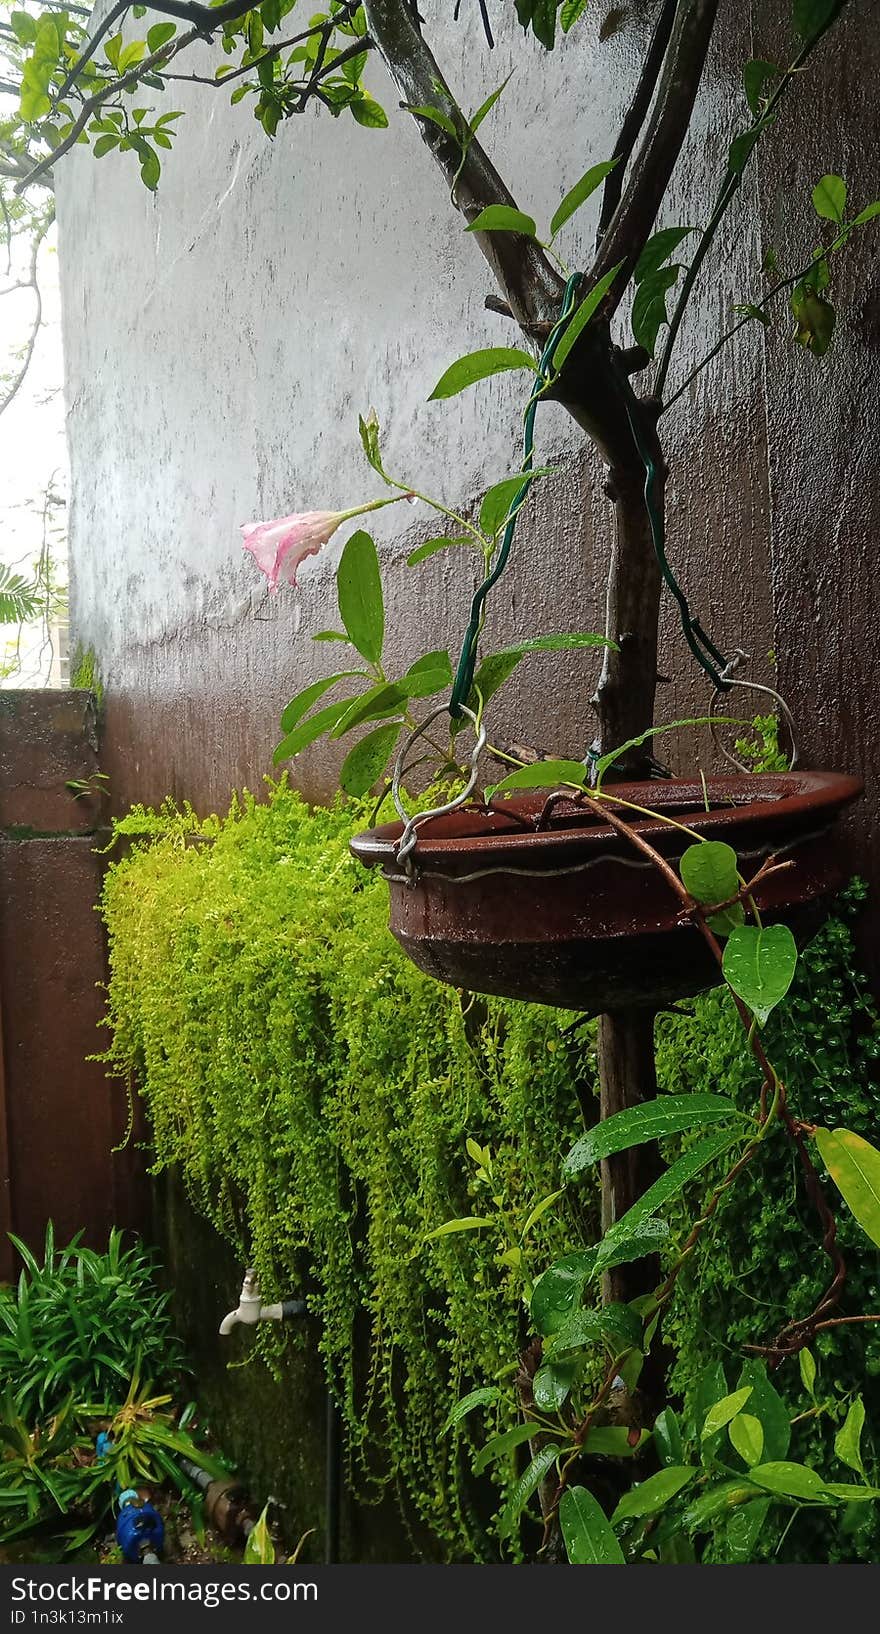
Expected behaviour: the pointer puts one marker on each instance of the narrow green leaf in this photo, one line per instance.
(650, 1496)
(386, 699)
(466, 371)
(868, 214)
(308, 731)
(716, 1502)
(618, 1326)
(544, 774)
(848, 1440)
(651, 1237)
(759, 964)
(302, 703)
(586, 1530)
(829, 198)
(366, 762)
(649, 305)
(435, 116)
(528, 1483)
(571, 11)
(669, 1185)
(359, 589)
(260, 1549)
(807, 1365)
(501, 1445)
(579, 319)
(486, 107)
(499, 499)
(431, 547)
(854, 1166)
(658, 250)
(744, 1528)
(665, 1115)
(539, 1210)
(467, 1222)
(483, 1397)
(668, 1437)
(502, 218)
(498, 666)
(721, 1412)
(747, 1437)
(605, 762)
(582, 190)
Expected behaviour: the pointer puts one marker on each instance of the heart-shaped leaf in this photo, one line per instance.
(759, 964)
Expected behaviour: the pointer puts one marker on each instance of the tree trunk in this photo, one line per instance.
(624, 703)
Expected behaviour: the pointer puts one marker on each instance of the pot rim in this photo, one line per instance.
(769, 800)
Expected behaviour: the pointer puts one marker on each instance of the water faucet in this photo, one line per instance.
(250, 1308)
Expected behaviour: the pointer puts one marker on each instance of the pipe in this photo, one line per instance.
(250, 1308)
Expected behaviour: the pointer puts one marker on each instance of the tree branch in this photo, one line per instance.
(632, 222)
(32, 282)
(636, 115)
(529, 284)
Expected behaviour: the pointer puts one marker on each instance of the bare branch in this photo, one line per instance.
(529, 284)
(636, 114)
(632, 222)
(32, 282)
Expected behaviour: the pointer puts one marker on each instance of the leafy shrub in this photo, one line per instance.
(77, 1326)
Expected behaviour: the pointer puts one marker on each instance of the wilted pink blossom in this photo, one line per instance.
(279, 547)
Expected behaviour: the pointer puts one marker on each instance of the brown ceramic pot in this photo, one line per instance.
(573, 915)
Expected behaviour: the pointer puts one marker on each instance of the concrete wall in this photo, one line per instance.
(222, 337)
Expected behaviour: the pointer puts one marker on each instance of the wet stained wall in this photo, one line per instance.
(221, 339)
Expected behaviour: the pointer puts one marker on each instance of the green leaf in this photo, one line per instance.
(105, 144)
(715, 1503)
(807, 1365)
(710, 873)
(829, 198)
(848, 1440)
(544, 774)
(367, 112)
(466, 371)
(742, 148)
(868, 214)
(501, 1445)
(435, 116)
(486, 107)
(502, 218)
(618, 1326)
(559, 1290)
(810, 17)
(747, 1437)
(431, 546)
(668, 1437)
(496, 505)
(766, 1404)
(483, 1397)
(721, 1412)
(539, 1210)
(159, 35)
(605, 762)
(759, 964)
(649, 305)
(466, 1222)
(23, 26)
(308, 731)
(359, 588)
(366, 762)
(665, 1115)
(658, 250)
(582, 190)
(747, 310)
(589, 1539)
(302, 703)
(386, 699)
(528, 1483)
(756, 76)
(131, 55)
(789, 1480)
(331, 635)
(650, 1496)
(669, 1185)
(495, 669)
(259, 1549)
(613, 1441)
(151, 168)
(815, 319)
(651, 1238)
(743, 1530)
(551, 1385)
(571, 11)
(579, 319)
(854, 1167)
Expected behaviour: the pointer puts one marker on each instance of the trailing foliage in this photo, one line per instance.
(331, 1110)
(760, 1263)
(316, 1092)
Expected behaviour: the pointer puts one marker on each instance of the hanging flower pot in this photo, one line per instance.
(546, 902)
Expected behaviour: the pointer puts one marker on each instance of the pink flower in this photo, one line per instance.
(279, 547)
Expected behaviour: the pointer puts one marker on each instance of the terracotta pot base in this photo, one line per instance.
(573, 915)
